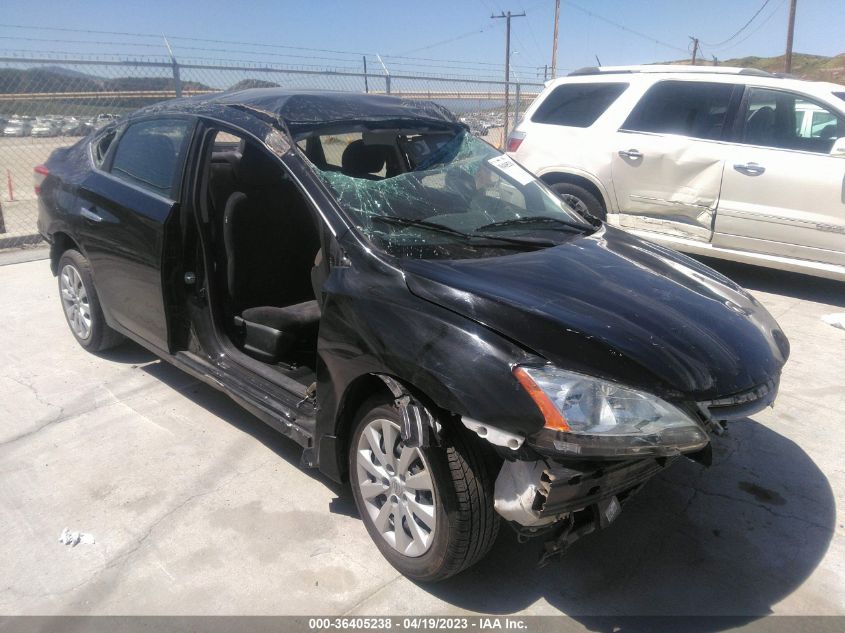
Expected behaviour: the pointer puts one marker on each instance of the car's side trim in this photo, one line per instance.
(818, 269)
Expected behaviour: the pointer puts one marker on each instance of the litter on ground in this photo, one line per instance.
(836, 320)
(75, 538)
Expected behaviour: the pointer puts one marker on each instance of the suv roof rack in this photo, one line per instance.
(672, 68)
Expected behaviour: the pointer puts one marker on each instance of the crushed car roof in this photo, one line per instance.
(301, 110)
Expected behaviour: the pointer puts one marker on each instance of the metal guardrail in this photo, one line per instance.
(73, 96)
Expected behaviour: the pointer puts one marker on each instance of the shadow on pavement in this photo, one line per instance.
(781, 282)
(731, 540)
(734, 539)
(220, 405)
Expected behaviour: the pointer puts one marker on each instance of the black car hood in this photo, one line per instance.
(617, 306)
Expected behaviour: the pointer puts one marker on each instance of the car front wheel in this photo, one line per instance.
(580, 199)
(428, 510)
(82, 305)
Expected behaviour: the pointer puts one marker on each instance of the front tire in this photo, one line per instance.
(428, 510)
(81, 304)
(580, 199)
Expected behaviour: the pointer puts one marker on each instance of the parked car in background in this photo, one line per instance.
(726, 162)
(45, 127)
(103, 119)
(17, 127)
(426, 318)
(77, 127)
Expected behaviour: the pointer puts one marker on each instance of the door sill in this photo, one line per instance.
(292, 416)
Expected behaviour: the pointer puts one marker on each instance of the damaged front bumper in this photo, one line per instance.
(566, 502)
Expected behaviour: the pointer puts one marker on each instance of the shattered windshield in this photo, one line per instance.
(440, 195)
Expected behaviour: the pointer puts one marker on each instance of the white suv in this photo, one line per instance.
(726, 162)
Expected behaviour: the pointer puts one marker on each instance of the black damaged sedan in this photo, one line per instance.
(428, 320)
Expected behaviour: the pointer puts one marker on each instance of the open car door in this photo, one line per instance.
(126, 210)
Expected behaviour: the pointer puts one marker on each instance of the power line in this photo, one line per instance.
(625, 28)
(157, 37)
(743, 27)
(409, 60)
(450, 40)
(757, 30)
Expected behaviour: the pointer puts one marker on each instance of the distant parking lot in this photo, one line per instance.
(197, 507)
(18, 157)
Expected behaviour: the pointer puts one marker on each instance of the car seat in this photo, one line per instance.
(269, 240)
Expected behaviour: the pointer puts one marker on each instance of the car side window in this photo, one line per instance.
(100, 147)
(150, 154)
(577, 104)
(787, 120)
(697, 109)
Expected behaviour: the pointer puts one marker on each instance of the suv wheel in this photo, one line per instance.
(81, 304)
(428, 510)
(580, 199)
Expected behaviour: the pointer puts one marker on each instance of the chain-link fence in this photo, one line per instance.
(49, 103)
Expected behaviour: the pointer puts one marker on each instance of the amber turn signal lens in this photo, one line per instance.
(554, 418)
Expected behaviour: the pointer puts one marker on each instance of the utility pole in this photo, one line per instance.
(715, 60)
(694, 48)
(790, 31)
(507, 16)
(554, 39)
(366, 85)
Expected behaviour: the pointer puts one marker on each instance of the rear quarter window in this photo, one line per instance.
(578, 105)
(100, 147)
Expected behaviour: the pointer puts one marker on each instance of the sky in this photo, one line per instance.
(454, 37)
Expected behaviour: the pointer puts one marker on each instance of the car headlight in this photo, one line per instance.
(587, 416)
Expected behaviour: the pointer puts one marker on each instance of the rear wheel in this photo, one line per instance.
(428, 510)
(81, 304)
(580, 199)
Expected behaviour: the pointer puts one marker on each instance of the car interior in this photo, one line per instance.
(776, 123)
(267, 264)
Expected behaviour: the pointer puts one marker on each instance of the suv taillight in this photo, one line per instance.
(41, 172)
(514, 141)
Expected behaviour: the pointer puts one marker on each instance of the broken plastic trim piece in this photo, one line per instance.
(741, 405)
(419, 428)
(494, 435)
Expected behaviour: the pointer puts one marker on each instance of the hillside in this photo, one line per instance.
(813, 67)
(56, 79)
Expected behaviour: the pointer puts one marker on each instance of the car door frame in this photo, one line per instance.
(104, 253)
(651, 223)
(729, 237)
(278, 400)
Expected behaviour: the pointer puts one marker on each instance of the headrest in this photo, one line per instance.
(228, 157)
(363, 160)
(257, 169)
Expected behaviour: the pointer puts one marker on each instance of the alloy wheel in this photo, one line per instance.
(575, 203)
(396, 487)
(75, 301)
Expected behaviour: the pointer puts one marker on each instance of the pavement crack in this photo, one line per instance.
(371, 594)
(756, 504)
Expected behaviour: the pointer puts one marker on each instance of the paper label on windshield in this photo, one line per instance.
(508, 167)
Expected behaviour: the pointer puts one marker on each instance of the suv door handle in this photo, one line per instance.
(88, 214)
(749, 169)
(630, 153)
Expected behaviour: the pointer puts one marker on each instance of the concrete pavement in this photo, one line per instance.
(198, 508)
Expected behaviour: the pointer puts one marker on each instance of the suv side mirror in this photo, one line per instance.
(838, 148)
